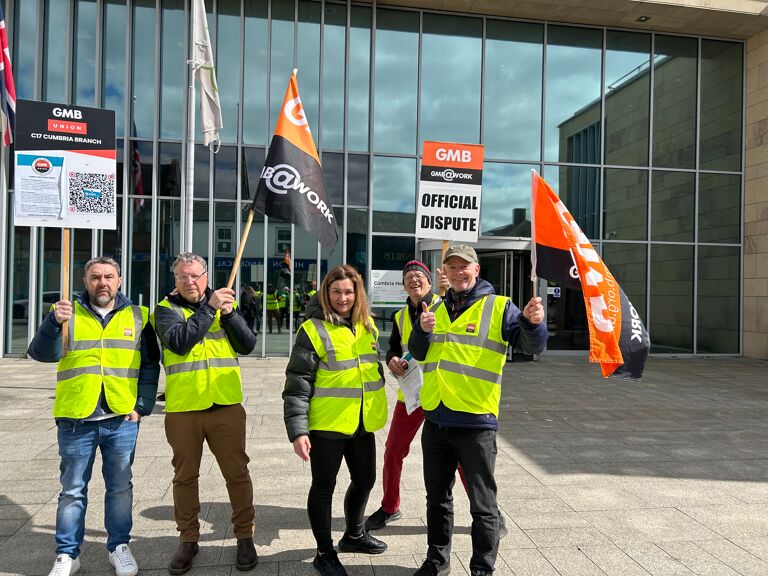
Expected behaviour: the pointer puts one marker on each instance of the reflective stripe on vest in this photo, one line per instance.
(347, 379)
(404, 325)
(464, 363)
(100, 355)
(206, 375)
(272, 303)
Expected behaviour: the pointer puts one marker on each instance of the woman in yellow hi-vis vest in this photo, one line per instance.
(334, 399)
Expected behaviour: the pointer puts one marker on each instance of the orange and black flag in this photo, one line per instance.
(291, 186)
(562, 253)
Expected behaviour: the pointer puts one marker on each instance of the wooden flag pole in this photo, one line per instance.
(442, 266)
(240, 249)
(65, 295)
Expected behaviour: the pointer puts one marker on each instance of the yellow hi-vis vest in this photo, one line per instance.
(272, 303)
(99, 354)
(403, 321)
(206, 375)
(347, 376)
(465, 358)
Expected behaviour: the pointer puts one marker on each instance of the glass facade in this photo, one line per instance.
(640, 133)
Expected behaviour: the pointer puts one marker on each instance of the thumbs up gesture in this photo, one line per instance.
(427, 318)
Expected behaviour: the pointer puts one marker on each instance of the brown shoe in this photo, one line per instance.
(246, 554)
(182, 559)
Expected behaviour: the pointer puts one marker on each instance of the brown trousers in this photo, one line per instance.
(224, 430)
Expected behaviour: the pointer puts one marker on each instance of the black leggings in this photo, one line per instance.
(325, 458)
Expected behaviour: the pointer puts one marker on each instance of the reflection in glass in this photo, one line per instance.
(671, 318)
(359, 78)
(674, 102)
(513, 55)
(56, 47)
(111, 240)
(628, 264)
(572, 130)
(200, 230)
(202, 170)
(721, 102)
(451, 78)
(25, 51)
(672, 207)
(225, 173)
(252, 262)
(141, 173)
(17, 298)
(225, 241)
(625, 207)
(255, 52)
(396, 81)
(392, 252)
(334, 38)
(253, 162)
(333, 173)
(627, 97)
(336, 257)
(357, 180)
(282, 56)
(143, 72)
(504, 210)
(719, 208)
(84, 57)
(168, 242)
(357, 239)
(139, 249)
(50, 271)
(170, 170)
(718, 300)
(113, 67)
(172, 70)
(81, 253)
(228, 45)
(309, 62)
(578, 187)
(394, 194)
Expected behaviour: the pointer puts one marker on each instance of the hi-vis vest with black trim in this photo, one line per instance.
(99, 354)
(404, 325)
(206, 375)
(347, 376)
(272, 302)
(465, 358)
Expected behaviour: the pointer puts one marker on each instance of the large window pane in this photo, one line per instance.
(628, 264)
(359, 78)
(139, 249)
(283, 15)
(579, 188)
(626, 205)
(168, 241)
(170, 170)
(451, 78)
(719, 211)
(718, 300)
(84, 58)
(333, 174)
(254, 82)
(225, 173)
(253, 162)
(672, 208)
(202, 171)
(627, 98)
(225, 241)
(56, 47)
(18, 281)
(397, 72)
(504, 210)
(671, 318)
(394, 194)
(143, 76)
(25, 48)
(334, 47)
(173, 66)
(141, 173)
(309, 62)
(357, 239)
(228, 45)
(113, 68)
(721, 103)
(513, 55)
(572, 112)
(674, 102)
(357, 180)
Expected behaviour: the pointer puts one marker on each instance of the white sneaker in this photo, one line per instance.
(123, 561)
(65, 565)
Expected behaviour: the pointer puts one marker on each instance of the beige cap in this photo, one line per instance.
(463, 251)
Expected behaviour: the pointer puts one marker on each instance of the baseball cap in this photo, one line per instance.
(463, 251)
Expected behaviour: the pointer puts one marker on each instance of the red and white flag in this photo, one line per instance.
(7, 87)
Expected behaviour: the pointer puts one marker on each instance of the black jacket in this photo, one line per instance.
(515, 330)
(180, 336)
(300, 382)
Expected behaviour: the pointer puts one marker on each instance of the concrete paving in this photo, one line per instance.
(596, 477)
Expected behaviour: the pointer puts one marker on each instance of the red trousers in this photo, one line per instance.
(402, 431)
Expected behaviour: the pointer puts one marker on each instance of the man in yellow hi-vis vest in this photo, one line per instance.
(462, 344)
(105, 384)
(202, 333)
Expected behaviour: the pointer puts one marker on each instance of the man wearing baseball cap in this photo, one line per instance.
(462, 343)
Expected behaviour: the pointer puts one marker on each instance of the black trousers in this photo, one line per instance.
(475, 449)
(325, 457)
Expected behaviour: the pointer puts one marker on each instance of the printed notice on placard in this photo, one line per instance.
(39, 191)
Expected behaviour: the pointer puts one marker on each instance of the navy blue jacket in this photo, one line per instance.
(46, 347)
(515, 330)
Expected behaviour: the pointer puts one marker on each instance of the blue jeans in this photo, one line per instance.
(78, 442)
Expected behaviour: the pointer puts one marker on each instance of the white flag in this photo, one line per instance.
(205, 72)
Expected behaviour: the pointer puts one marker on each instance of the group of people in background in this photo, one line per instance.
(278, 305)
(334, 401)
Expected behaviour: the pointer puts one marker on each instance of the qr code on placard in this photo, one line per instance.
(91, 193)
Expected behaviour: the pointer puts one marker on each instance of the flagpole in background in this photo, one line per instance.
(189, 189)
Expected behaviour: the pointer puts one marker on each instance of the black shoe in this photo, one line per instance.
(379, 519)
(328, 564)
(502, 526)
(246, 554)
(366, 544)
(432, 568)
(182, 559)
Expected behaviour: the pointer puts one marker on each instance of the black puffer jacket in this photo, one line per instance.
(300, 381)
